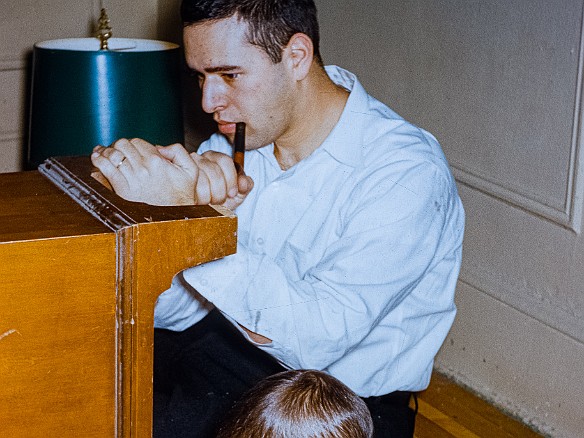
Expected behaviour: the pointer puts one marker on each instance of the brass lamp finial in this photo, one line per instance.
(104, 31)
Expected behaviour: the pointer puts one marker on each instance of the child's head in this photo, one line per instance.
(299, 404)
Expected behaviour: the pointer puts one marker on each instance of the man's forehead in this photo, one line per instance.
(218, 43)
(216, 34)
(231, 28)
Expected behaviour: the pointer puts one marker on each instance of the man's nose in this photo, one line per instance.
(214, 96)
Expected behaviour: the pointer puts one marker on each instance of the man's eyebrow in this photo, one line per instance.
(221, 68)
(217, 69)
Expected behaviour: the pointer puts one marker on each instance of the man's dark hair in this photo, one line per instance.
(299, 404)
(271, 23)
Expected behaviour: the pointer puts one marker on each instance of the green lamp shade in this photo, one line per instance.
(82, 96)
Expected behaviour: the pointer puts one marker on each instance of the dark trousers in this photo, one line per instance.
(392, 416)
(200, 373)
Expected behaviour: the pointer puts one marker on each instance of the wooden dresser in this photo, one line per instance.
(78, 283)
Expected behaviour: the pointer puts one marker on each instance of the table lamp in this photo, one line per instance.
(93, 91)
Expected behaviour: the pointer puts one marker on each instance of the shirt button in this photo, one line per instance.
(204, 282)
(260, 241)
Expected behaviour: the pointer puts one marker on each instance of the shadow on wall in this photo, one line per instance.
(26, 112)
(198, 125)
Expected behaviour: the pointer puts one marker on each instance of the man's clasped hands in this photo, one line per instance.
(170, 175)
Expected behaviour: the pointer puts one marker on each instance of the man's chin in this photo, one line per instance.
(230, 137)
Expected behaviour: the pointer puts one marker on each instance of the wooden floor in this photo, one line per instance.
(446, 410)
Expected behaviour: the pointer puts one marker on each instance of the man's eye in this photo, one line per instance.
(231, 76)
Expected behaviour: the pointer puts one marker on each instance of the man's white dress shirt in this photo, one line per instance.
(348, 261)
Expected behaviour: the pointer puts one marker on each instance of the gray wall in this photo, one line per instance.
(499, 83)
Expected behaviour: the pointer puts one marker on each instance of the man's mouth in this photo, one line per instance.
(226, 128)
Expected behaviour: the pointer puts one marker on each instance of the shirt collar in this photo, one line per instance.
(345, 141)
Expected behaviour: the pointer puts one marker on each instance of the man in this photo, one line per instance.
(349, 226)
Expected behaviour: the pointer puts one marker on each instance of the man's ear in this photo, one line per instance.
(299, 54)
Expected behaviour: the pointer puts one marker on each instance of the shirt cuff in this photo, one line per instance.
(180, 306)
